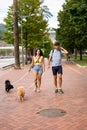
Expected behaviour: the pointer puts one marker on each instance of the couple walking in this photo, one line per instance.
(55, 58)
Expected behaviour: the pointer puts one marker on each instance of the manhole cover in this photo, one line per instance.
(52, 112)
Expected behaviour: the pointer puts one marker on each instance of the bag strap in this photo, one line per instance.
(53, 52)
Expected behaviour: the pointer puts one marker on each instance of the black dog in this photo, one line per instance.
(8, 86)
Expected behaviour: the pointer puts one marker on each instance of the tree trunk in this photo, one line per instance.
(80, 53)
(75, 52)
(16, 38)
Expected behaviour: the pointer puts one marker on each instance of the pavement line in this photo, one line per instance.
(75, 71)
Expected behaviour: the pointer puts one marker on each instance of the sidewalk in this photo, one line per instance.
(15, 115)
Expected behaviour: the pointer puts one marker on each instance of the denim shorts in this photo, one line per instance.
(57, 70)
(38, 69)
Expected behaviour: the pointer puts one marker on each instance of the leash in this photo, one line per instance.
(36, 81)
(20, 78)
(23, 77)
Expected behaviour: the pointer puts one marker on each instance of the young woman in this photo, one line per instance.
(38, 68)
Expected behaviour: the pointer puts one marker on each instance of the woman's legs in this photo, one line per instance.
(39, 80)
(35, 79)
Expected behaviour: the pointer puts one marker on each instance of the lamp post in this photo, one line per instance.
(22, 33)
(23, 18)
(22, 42)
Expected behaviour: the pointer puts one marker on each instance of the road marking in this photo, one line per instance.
(76, 71)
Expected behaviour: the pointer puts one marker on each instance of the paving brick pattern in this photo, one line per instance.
(16, 115)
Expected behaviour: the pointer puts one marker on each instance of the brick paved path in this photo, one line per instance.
(15, 115)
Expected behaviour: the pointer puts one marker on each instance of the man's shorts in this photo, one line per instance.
(38, 69)
(57, 70)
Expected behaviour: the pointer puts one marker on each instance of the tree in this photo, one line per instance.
(46, 45)
(16, 41)
(33, 22)
(46, 12)
(9, 25)
(72, 25)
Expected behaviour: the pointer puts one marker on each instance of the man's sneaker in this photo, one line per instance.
(38, 90)
(60, 91)
(56, 90)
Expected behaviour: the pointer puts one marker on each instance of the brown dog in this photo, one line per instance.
(21, 93)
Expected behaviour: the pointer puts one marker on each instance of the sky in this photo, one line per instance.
(53, 5)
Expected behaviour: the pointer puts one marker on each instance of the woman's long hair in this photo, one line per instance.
(41, 53)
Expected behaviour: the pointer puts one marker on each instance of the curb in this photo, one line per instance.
(8, 66)
(78, 65)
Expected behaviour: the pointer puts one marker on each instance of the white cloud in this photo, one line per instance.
(4, 8)
(5, 3)
(54, 7)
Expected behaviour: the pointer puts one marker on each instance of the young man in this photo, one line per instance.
(56, 57)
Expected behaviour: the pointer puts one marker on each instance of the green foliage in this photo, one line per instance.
(77, 61)
(8, 34)
(72, 31)
(5, 52)
(0, 35)
(46, 45)
(34, 25)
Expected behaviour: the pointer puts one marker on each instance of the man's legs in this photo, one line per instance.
(54, 69)
(60, 84)
(55, 83)
(60, 81)
(55, 80)
(59, 71)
